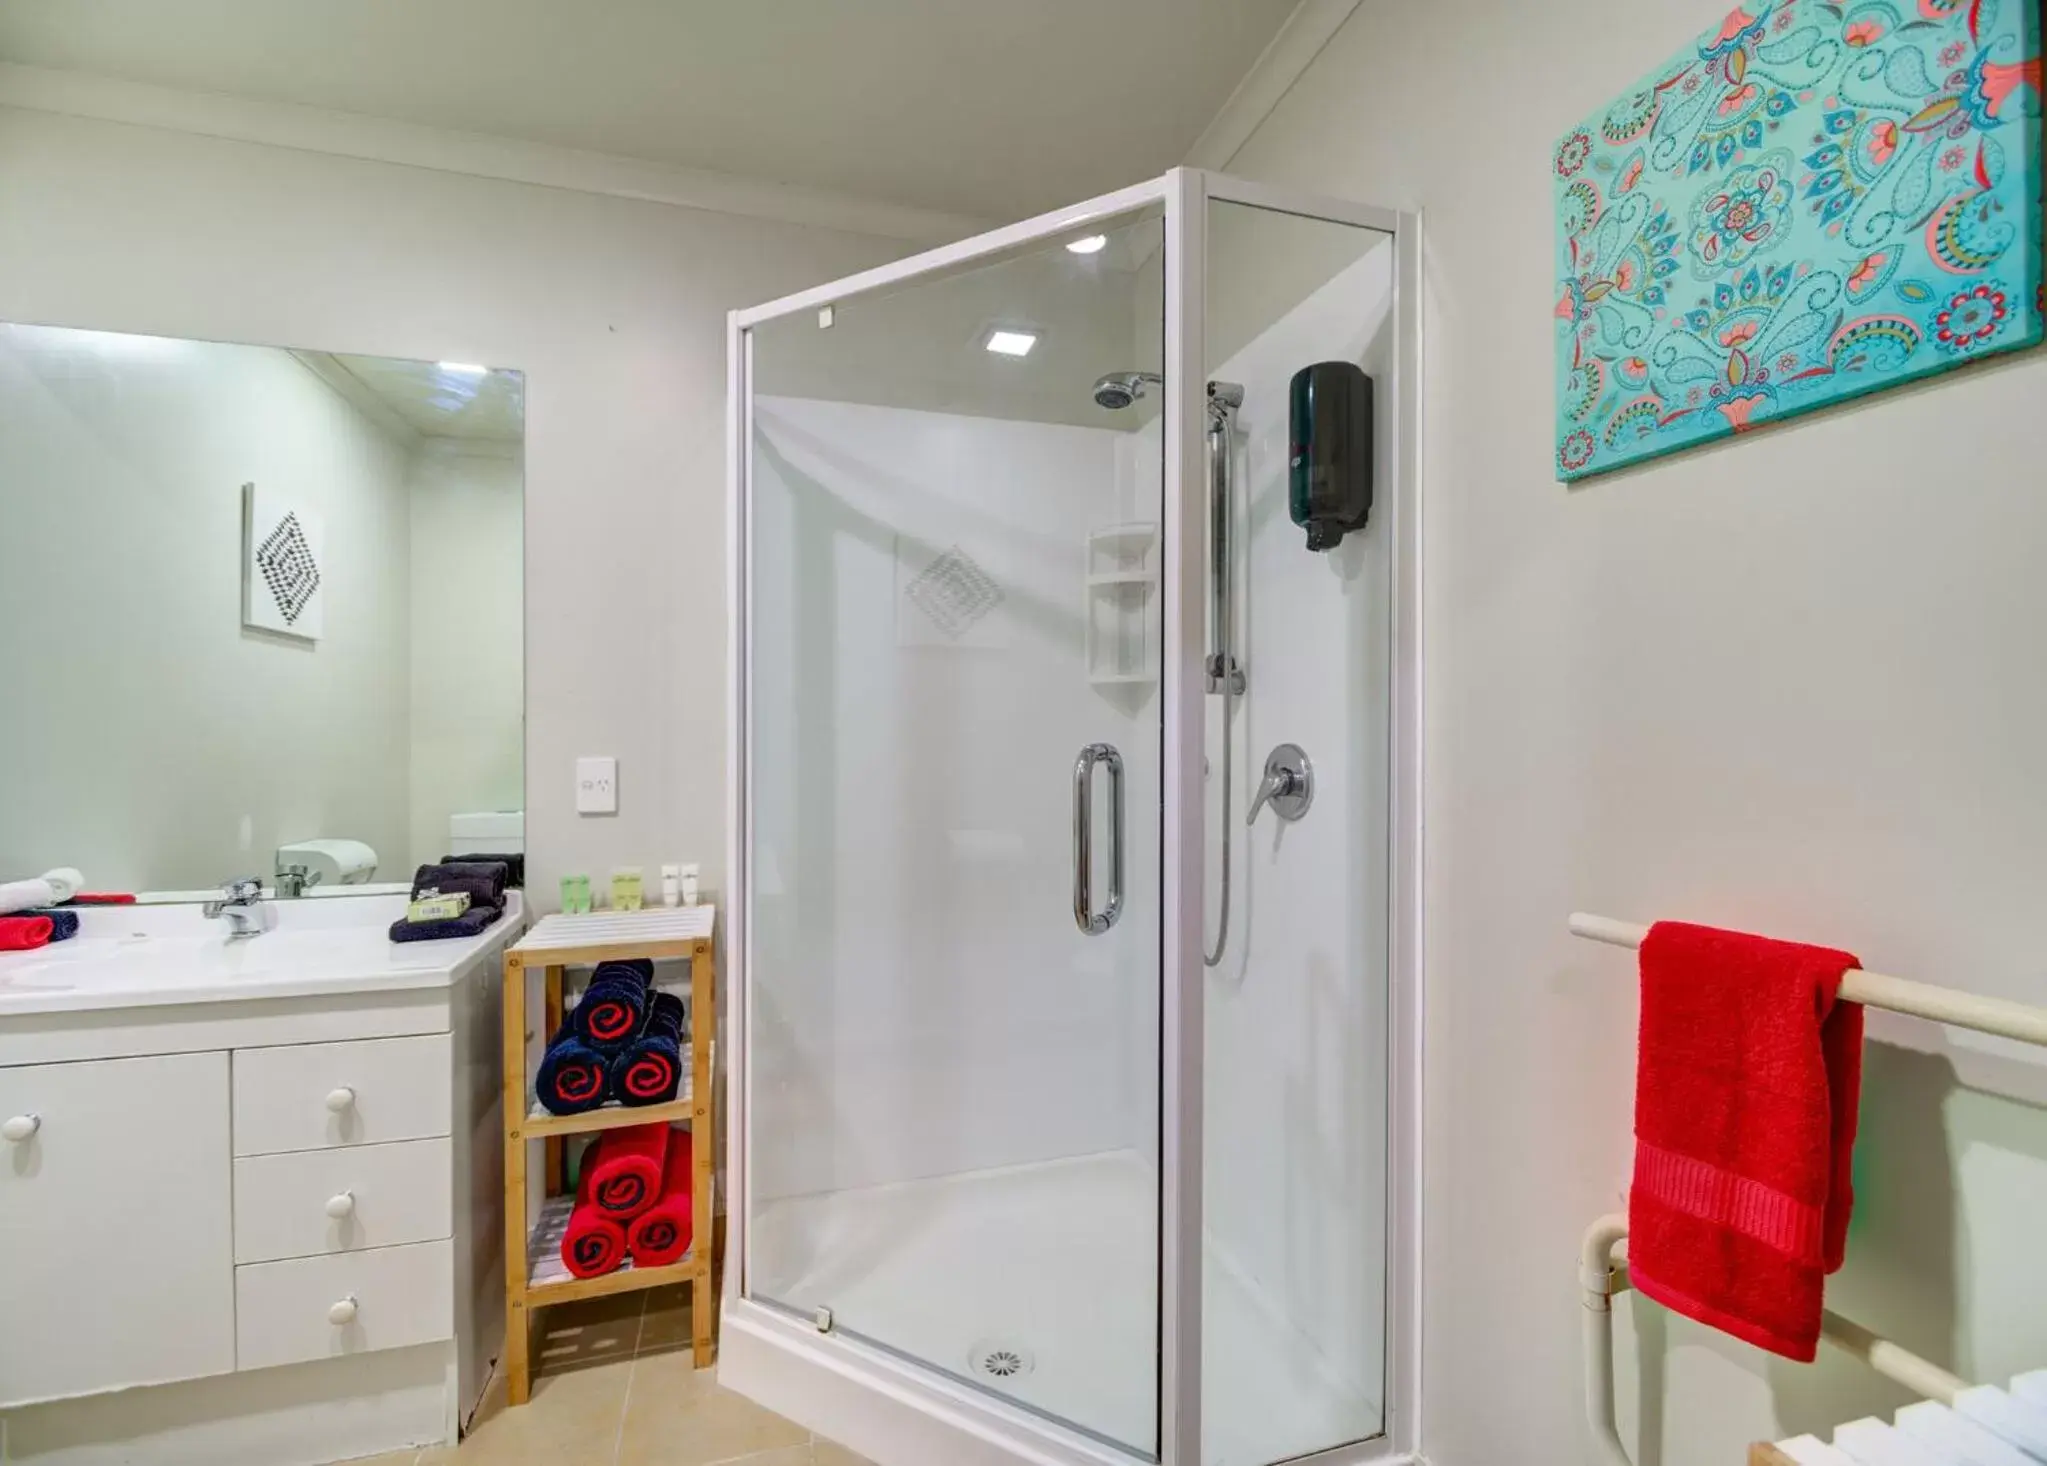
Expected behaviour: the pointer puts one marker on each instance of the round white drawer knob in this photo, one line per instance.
(21, 1127)
(342, 1312)
(341, 1206)
(340, 1099)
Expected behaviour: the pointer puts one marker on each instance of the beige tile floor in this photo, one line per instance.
(615, 1387)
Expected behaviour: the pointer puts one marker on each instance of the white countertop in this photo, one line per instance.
(137, 957)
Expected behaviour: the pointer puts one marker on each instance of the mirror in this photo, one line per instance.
(261, 611)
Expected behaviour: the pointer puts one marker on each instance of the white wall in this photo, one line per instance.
(924, 1003)
(149, 739)
(468, 648)
(614, 309)
(1789, 683)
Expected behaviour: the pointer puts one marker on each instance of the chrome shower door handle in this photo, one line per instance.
(1084, 914)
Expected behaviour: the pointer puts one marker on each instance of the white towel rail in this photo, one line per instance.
(1921, 1000)
(1599, 1278)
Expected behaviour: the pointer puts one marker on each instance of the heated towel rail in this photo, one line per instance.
(1600, 1277)
(1874, 990)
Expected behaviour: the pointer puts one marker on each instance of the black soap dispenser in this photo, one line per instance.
(1329, 470)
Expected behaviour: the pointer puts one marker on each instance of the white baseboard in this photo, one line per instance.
(296, 1415)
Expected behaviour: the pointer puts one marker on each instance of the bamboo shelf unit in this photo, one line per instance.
(535, 1276)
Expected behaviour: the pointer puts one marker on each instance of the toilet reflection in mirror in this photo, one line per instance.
(261, 613)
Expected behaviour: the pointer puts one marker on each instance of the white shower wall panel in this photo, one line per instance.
(1296, 1036)
(923, 1002)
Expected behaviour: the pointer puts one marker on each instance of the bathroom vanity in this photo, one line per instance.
(252, 1185)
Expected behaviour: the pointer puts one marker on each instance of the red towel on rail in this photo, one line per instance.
(592, 1243)
(660, 1235)
(623, 1170)
(1745, 1094)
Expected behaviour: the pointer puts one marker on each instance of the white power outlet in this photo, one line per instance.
(596, 786)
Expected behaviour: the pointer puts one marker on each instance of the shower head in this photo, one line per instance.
(1120, 389)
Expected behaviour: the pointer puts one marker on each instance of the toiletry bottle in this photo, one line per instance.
(671, 885)
(689, 885)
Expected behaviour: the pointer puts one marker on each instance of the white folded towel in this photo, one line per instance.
(65, 881)
(26, 895)
(1872, 1443)
(1958, 1437)
(2015, 1418)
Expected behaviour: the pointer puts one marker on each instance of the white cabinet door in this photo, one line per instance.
(116, 1246)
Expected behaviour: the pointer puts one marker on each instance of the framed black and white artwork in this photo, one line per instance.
(283, 549)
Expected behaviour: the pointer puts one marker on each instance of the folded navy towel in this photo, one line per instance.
(483, 880)
(63, 924)
(649, 1070)
(614, 1006)
(514, 864)
(573, 1076)
(470, 923)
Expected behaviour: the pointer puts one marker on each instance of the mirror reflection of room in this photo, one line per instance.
(261, 611)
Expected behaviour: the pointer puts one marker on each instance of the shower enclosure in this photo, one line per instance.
(1075, 846)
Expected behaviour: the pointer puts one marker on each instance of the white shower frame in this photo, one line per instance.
(877, 1402)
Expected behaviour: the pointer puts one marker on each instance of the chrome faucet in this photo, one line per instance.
(296, 880)
(240, 904)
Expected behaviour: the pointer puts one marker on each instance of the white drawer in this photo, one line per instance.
(309, 1096)
(349, 1303)
(344, 1199)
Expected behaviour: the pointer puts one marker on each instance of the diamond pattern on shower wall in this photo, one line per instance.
(953, 592)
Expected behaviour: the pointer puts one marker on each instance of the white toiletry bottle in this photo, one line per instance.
(671, 885)
(689, 885)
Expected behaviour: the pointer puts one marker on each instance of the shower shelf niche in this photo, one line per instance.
(1122, 612)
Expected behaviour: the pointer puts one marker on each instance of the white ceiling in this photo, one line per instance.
(996, 108)
(428, 399)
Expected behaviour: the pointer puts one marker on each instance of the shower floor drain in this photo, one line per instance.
(1000, 1360)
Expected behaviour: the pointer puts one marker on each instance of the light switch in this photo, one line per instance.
(596, 786)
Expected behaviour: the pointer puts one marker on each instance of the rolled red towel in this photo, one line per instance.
(24, 933)
(623, 1170)
(660, 1235)
(1745, 1097)
(592, 1244)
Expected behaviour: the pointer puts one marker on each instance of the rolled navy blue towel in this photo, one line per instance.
(614, 1006)
(514, 864)
(63, 924)
(471, 923)
(649, 1070)
(483, 880)
(573, 1076)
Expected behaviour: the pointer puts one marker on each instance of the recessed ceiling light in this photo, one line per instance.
(1090, 245)
(463, 368)
(1012, 343)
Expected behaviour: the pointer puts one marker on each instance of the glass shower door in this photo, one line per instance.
(954, 746)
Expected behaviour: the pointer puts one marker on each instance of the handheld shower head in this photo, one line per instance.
(1118, 390)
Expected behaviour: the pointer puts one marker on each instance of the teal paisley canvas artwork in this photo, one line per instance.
(1817, 201)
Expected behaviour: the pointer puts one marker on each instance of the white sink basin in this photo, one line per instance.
(126, 957)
